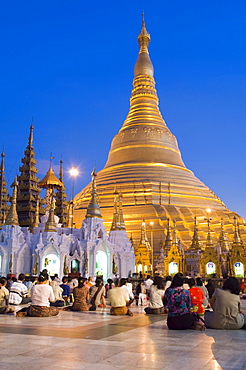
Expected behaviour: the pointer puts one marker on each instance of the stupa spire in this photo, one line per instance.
(237, 239)
(61, 200)
(144, 238)
(175, 240)
(195, 244)
(4, 197)
(169, 239)
(223, 241)
(36, 220)
(209, 241)
(12, 217)
(121, 216)
(28, 190)
(93, 209)
(116, 222)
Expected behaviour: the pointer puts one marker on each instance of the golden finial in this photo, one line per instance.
(143, 38)
(237, 239)
(12, 217)
(61, 171)
(93, 209)
(144, 238)
(223, 241)
(30, 139)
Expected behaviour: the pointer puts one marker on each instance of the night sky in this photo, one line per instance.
(69, 65)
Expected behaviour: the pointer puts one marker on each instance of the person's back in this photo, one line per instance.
(117, 297)
(41, 295)
(18, 291)
(225, 313)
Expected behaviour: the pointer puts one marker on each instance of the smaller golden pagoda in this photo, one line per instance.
(93, 209)
(50, 182)
(210, 261)
(174, 261)
(237, 255)
(143, 252)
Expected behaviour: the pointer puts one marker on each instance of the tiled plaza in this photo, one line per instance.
(98, 341)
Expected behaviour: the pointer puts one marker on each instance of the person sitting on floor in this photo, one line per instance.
(156, 296)
(123, 285)
(97, 293)
(59, 301)
(197, 298)
(41, 294)
(81, 296)
(119, 299)
(200, 284)
(178, 302)
(4, 298)
(66, 289)
(18, 292)
(226, 307)
(108, 286)
(210, 288)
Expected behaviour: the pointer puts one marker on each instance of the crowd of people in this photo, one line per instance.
(188, 303)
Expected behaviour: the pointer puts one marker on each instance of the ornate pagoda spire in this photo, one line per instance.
(169, 239)
(195, 244)
(61, 200)
(144, 238)
(237, 239)
(50, 225)
(209, 241)
(12, 217)
(121, 217)
(116, 222)
(223, 240)
(4, 197)
(28, 190)
(175, 240)
(93, 209)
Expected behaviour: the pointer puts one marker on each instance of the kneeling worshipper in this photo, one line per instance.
(226, 307)
(156, 296)
(59, 301)
(41, 294)
(119, 299)
(178, 302)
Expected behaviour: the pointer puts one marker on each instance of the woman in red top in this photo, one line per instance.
(197, 298)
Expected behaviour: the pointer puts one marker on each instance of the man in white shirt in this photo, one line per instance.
(18, 292)
(147, 283)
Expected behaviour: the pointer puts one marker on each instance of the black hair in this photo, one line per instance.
(191, 282)
(122, 281)
(232, 284)
(169, 278)
(99, 281)
(210, 283)
(158, 282)
(21, 277)
(64, 279)
(81, 282)
(43, 277)
(52, 278)
(199, 281)
(178, 280)
(109, 281)
(2, 281)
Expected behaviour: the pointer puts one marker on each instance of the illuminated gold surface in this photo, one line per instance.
(145, 165)
(12, 217)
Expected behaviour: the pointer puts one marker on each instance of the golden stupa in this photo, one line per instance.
(145, 165)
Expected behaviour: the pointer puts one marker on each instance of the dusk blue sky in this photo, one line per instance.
(69, 64)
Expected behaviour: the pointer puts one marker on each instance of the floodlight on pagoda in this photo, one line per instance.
(74, 171)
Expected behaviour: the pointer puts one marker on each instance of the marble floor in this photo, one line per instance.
(96, 340)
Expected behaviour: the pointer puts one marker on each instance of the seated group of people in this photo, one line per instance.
(183, 300)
